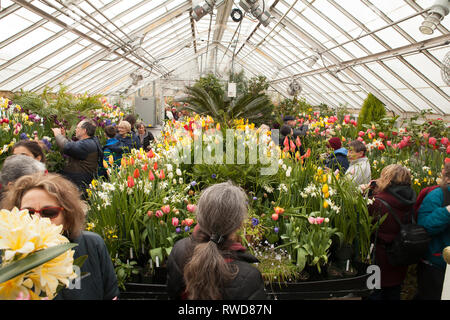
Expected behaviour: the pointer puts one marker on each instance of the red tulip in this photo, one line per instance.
(432, 141)
(292, 145)
(130, 182)
(444, 141)
(161, 174)
(389, 143)
(448, 149)
(150, 154)
(381, 135)
(447, 160)
(145, 167)
(150, 213)
(188, 222)
(394, 133)
(286, 142)
(151, 177)
(136, 173)
(381, 147)
(131, 160)
(298, 142)
(275, 217)
(361, 133)
(155, 166)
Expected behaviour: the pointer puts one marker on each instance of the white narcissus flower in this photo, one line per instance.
(178, 172)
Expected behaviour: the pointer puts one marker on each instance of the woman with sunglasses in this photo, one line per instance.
(56, 198)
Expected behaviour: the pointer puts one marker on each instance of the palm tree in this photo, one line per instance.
(255, 108)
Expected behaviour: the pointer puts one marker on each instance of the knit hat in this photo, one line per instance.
(335, 143)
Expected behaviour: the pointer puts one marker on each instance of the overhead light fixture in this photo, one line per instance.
(136, 78)
(201, 10)
(253, 7)
(312, 61)
(236, 15)
(437, 12)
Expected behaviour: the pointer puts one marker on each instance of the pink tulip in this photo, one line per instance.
(159, 213)
(189, 222)
(150, 213)
(444, 141)
(361, 133)
(191, 207)
(312, 220)
(319, 220)
(347, 119)
(165, 209)
(381, 135)
(360, 139)
(389, 143)
(426, 135)
(175, 222)
(448, 149)
(275, 217)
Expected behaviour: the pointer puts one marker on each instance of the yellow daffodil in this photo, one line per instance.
(325, 188)
(325, 204)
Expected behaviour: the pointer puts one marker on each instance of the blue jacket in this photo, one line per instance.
(338, 159)
(131, 141)
(436, 220)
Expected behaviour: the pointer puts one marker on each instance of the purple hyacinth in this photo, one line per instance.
(178, 230)
(255, 222)
(187, 229)
(255, 198)
(47, 143)
(23, 136)
(213, 176)
(193, 183)
(276, 229)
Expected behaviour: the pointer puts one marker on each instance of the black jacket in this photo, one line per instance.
(337, 160)
(83, 159)
(101, 283)
(247, 285)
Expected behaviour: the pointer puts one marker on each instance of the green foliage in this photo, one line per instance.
(124, 271)
(211, 84)
(258, 85)
(372, 110)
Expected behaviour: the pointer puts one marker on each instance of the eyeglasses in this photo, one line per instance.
(47, 212)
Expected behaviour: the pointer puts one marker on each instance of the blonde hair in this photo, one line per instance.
(125, 124)
(63, 190)
(393, 174)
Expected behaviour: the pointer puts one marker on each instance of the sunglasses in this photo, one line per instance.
(47, 212)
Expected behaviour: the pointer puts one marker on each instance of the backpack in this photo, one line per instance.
(410, 245)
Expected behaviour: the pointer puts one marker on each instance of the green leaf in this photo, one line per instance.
(301, 258)
(168, 250)
(80, 260)
(32, 261)
(157, 252)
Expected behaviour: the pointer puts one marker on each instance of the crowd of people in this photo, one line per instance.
(212, 263)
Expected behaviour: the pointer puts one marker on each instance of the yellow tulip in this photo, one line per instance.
(325, 189)
(325, 204)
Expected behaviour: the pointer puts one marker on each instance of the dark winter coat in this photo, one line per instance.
(338, 160)
(401, 199)
(247, 285)
(101, 283)
(145, 141)
(83, 159)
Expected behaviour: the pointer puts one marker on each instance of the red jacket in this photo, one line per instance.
(388, 230)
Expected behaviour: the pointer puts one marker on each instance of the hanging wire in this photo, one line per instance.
(235, 31)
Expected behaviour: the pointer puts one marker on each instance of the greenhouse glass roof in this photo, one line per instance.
(338, 51)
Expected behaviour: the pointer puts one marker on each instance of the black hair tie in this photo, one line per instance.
(217, 239)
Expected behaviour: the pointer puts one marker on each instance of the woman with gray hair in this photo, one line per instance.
(17, 166)
(211, 264)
